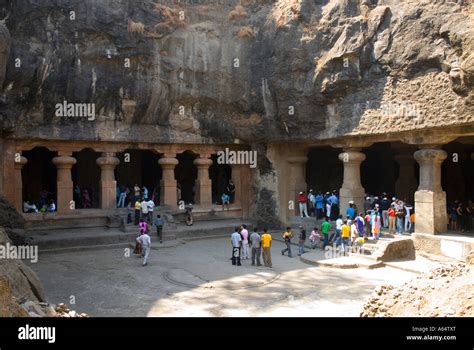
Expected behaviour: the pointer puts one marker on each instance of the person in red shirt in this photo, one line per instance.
(302, 200)
(391, 219)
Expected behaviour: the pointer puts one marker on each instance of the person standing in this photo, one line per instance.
(144, 208)
(138, 208)
(122, 196)
(145, 242)
(255, 242)
(335, 237)
(312, 203)
(350, 211)
(151, 207)
(301, 241)
(368, 223)
(376, 224)
(384, 206)
(287, 235)
(391, 212)
(245, 242)
(400, 218)
(266, 244)
(319, 206)
(334, 201)
(159, 222)
(136, 192)
(302, 200)
(236, 240)
(231, 191)
(325, 227)
(345, 235)
(360, 224)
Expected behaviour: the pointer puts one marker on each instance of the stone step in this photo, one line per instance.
(343, 262)
(77, 238)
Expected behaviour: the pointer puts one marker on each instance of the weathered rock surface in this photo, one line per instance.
(225, 69)
(9, 306)
(22, 281)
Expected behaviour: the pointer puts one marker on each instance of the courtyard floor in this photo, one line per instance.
(198, 279)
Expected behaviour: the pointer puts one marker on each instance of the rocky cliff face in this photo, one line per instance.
(16, 278)
(220, 70)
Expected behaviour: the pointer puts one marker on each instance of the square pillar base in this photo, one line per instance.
(108, 194)
(349, 194)
(169, 194)
(64, 189)
(204, 193)
(430, 212)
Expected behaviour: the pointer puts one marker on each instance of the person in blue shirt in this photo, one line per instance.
(319, 206)
(350, 212)
(225, 200)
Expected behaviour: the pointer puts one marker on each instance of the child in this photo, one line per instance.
(412, 219)
(143, 226)
(313, 237)
(225, 200)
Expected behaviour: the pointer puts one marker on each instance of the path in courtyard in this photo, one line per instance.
(197, 279)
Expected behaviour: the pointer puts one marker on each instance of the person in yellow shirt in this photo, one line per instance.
(287, 235)
(412, 219)
(345, 233)
(138, 209)
(266, 244)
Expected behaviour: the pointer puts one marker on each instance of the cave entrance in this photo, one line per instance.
(141, 168)
(324, 170)
(220, 174)
(186, 175)
(39, 177)
(86, 179)
(457, 180)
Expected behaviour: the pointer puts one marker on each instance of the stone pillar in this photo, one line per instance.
(18, 183)
(108, 186)
(64, 163)
(296, 181)
(203, 182)
(351, 189)
(430, 199)
(237, 180)
(168, 182)
(406, 184)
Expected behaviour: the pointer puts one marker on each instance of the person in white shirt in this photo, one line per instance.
(145, 241)
(144, 206)
(354, 231)
(151, 206)
(336, 236)
(245, 242)
(408, 209)
(29, 208)
(236, 240)
(312, 203)
(52, 206)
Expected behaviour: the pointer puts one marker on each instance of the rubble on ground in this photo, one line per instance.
(41, 309)
(445, 291)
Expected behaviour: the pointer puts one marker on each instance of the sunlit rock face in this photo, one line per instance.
(220, 70)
